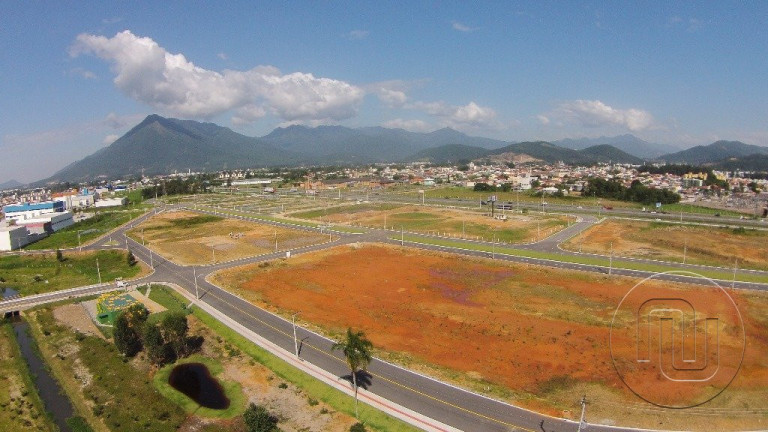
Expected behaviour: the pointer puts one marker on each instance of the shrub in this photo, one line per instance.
(357, 427)
(258, 419)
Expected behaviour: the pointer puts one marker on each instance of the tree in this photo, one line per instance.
(258, 419)
(158, 351)
(59, 255)
(128, 326)
(357, 350)
(131, 259)
(174, 329)
(357, 427)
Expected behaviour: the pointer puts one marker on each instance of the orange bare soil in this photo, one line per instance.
(665, 241)
(539, 332)
(225, 239)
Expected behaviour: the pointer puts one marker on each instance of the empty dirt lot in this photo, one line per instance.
(536, 336)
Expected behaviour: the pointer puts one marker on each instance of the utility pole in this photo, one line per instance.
(462, 228)
(98, 270)
(295, 339)
(194, 275)
(685, 250)
(151, 262)
(735, 266)
(213, 252)
(275, 240)
(401, 236)
(610, 267)
(493, 247)
(78, 242)
(583, 425)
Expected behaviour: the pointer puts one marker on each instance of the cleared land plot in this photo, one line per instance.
(190, 238)
(534, 335)
(40, 273)
(666, 241)
(517, 228)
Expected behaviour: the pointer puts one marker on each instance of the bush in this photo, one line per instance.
(258, 419)
(357, 427)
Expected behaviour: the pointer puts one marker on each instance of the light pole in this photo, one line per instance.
(583, 412)
(610, 265)
(98, 270)
(275, 240)
(78, 241)
(194, 275)
(685, 250)
(151, 262)
(735, 267)
(295, 339)
(213, 253)
(493, 247)
(402, 236)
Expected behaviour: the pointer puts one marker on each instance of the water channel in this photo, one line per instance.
(52, 395)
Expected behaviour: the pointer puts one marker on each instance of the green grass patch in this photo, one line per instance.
(233, 390)
(168, 298)
(40, 273)
(347, 209)
(194, 221)
(311, 386)
(91, 228)
(117, 393)
(588, 260)
(78, 424)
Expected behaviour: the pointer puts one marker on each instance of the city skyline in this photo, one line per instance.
(75, 78)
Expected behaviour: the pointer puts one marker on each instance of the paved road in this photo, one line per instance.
(450, 405)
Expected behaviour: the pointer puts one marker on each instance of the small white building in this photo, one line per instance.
(111, 202)
(47, 223)
(13, 237)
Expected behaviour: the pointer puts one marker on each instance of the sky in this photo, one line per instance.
(76, 75)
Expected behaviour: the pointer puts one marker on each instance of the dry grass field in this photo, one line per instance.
(190, 238)
(517, 228)
(666, 241)
(536, 336)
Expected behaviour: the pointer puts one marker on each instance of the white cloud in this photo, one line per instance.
(248, 114)
(470, 115)
(109, 139)
(170, 83)
(223, 56)
(413, 125)
(462, 27)
(594, 113)
(83, 73)
(357, 34)
(543, 119)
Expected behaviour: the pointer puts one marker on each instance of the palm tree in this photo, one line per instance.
(357, 350)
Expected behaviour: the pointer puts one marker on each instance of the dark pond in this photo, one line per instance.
(195, 381)
(53, 397)
(6, 293)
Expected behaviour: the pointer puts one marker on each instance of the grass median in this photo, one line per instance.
(588, 260)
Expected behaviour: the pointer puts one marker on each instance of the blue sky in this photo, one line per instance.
(74, 76)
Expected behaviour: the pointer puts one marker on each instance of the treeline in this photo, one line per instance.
(164, 342)
(637, 192)
(682, 169)
(187, 186)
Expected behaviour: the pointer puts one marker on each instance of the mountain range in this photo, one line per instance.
(161, 145)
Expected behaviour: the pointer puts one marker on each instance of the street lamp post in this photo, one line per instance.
(610, 262)
(98, 270)
(194, 275)
(295, 339)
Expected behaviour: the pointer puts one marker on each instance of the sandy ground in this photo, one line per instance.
(534, 335)
(701, 244)
(76, 317)
(219, 241)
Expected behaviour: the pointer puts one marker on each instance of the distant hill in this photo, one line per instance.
(713, 153)
(10, 184)
(628, 143)
(755, 162)
(337, 144)
(552, 153)
(159, 145)
(609, 153)
(449, 153)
